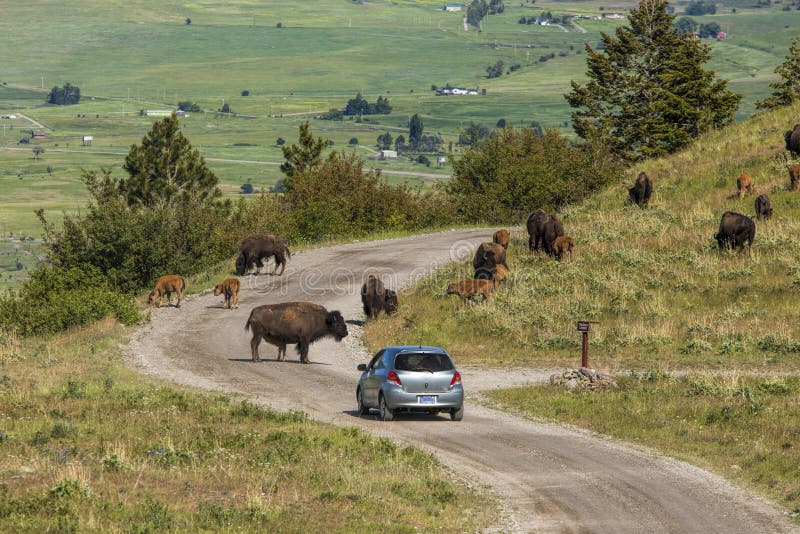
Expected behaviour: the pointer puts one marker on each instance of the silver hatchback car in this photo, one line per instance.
(410, 379)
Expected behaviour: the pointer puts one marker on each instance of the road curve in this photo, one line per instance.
(550, 477)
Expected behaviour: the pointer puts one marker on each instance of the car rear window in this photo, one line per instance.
(422, 361)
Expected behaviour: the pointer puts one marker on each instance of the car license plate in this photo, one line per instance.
(426, 399)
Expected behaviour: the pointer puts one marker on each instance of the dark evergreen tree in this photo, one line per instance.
(709, 30)
(476, 11)
(415, 129)
(648, 93)
(786, 91)
(64, 96)
(686, 25)
(165, 169)
(300, 157)
(385, 141)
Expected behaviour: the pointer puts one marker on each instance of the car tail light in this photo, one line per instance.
(392, 377)
(456, 380)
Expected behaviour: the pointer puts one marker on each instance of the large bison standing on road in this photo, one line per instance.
(735, 230)
(293, 322)
(256, 248)
(793, 140)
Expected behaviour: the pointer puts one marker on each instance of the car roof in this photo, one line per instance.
(417, 348)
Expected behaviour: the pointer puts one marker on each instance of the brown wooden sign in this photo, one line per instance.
(583, 326)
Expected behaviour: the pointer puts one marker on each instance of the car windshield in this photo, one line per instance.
(422, 361)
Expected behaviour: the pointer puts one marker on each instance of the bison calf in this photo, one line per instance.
(563, 245)
(229, 288)
(302, 323)
(166, 286)
(375, 297)
(502, 238)
(794, 176)
(763, 207)
(744, 183)
(735, 230)
(467, 289)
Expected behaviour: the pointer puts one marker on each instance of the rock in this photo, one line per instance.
(25, 470)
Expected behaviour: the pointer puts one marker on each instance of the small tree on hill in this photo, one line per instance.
(786, 91)
(165, 169)
(64, 96)
(302, 156)
(415, 129)
(648, 93)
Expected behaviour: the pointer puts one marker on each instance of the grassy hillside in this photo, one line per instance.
(662, 292)
(89, 446)
(126, 58)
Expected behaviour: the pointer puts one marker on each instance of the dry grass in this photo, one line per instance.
(654, 279)
(89, 446)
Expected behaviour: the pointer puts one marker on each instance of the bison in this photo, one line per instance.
(499, 272)
(794, 176)
(256, 248)
(640, 193)
(552, 230)
(467, 289)
(563, 245)
(167, 285)
(488, 255)
(302, 323)
(763, 207)
(229, 288)
(792, 138)
(502, 238)
(375, 297)
(744, 183)
(735, 230)
(535, 226)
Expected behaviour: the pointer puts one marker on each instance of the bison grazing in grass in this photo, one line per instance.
(499, 272)
(763, 207)
(744, 183)
(552, 230)
(467, 289)
(502, 238)
(293, 322)
(375, 297)
(166, 286)
(735, 230)
(794, 176)
(640, 193)
(488, 255)
(792, 138)
(563, 245)
(256, 248)
(535, 226)
(229, 288)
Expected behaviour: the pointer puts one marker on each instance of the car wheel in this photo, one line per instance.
(362, 408)
(386, 413)
(457, 414)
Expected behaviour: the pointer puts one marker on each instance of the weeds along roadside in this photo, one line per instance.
(89, 445)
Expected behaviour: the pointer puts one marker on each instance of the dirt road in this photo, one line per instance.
(552, 478)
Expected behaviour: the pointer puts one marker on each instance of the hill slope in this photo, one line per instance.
(662, 292)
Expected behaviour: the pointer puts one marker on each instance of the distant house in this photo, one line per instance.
(457, 91)
(86, 140)
(613, 15)
(385, 154)
(158, 112)
(454, 7)
(721, 35)
(37, 134)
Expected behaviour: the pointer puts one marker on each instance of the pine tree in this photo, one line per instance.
(165, 169)
(415, 129)
(301, 157)
(787, 90)
(648, 93)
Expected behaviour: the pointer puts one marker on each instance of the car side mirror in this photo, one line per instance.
(362, 366)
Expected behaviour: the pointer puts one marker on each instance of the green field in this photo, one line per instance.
(129, 58)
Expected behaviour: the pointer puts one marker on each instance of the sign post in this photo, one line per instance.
(583, 328)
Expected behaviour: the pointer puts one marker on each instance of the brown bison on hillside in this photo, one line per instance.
(302, 323)
(488, 255)
(502, 238)
(563, 245)
(792, 138)
(640, 193)
(467, 289)
(552, 230)
(229, 288)
(499, 272)
(763, 207)
(735, 230)
(535, 226)
(256, 248)
(794, 176)
(167, 285)
(375, 297)
(744, 183)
